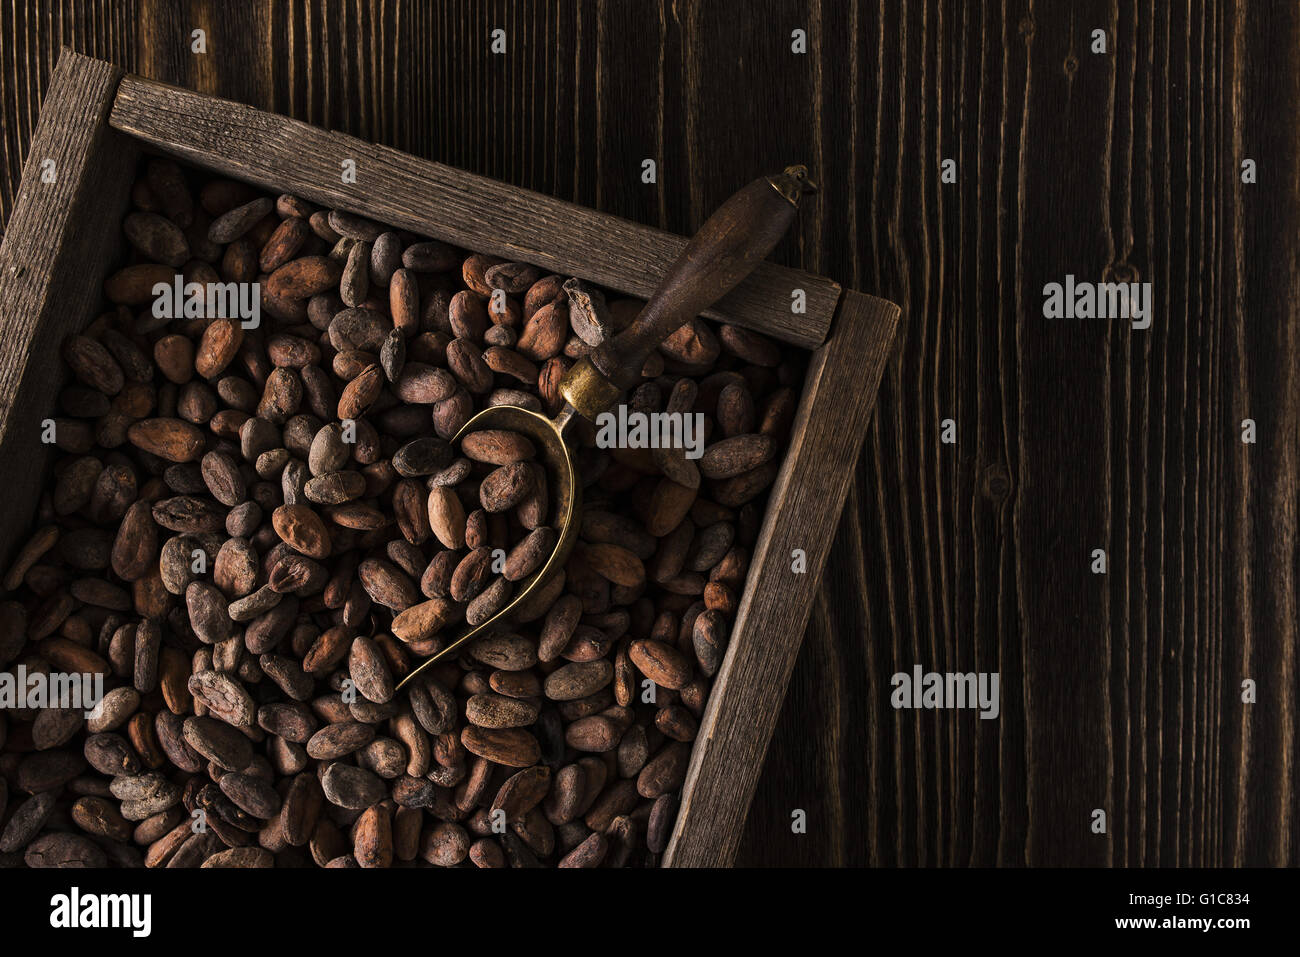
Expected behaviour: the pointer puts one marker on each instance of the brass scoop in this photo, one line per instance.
(727, 248)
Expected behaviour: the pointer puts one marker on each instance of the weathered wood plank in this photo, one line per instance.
(471, 211)
(34, 32)
(55, 256)
(839, 394)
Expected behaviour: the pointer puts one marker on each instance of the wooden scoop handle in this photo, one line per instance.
(727, 248)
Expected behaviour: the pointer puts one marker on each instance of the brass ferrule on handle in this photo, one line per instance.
(588, 390)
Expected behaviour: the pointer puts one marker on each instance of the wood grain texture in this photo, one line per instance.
(1120, 692)
(34, 34)
(432, 199)
(838, 395)
(53, 259)
(1123, 691)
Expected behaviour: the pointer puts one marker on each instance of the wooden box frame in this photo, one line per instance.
(63, 238)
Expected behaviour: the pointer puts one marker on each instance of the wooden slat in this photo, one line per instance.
(53, 261)
(435, 200)
(806, 500)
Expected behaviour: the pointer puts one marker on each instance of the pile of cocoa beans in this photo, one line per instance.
(255, 532)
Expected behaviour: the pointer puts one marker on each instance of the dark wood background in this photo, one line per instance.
(1120, 692)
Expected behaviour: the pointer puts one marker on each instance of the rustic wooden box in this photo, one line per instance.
(64, 238)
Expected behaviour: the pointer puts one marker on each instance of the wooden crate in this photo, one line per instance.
(64, 239)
